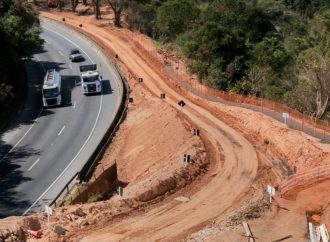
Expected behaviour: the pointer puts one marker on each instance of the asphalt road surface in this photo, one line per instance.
(43, 148)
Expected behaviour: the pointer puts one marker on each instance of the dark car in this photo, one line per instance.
(75, 56)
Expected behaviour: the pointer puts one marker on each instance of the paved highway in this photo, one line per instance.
(44, 148)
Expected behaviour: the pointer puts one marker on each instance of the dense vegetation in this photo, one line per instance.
(276, 49)
(19, 37)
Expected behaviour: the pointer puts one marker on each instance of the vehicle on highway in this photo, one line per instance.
(90, 79)
(51, 89)
(76, 56)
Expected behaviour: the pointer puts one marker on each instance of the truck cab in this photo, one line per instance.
(51, 89)
(90, 79)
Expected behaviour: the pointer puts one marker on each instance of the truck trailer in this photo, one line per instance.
(51, 89)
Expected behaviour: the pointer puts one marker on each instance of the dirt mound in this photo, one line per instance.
(187, 174)
(14, 229)
(290, 147)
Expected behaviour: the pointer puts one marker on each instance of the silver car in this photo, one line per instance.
(76, 56)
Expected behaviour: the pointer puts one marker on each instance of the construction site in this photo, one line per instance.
(190, 163)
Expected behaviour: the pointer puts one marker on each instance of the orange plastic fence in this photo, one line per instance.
(296, 181)
(302, 179)
(147, 44)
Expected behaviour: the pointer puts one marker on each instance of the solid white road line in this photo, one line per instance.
(86, 141)
(67, 167)
(20, 140)
(70, 66)
(55, 32)
(74, 104)
(61, 53)
(34, 164)
(59, 133)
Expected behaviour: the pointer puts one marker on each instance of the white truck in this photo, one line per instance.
(90, 79)
(51, 89)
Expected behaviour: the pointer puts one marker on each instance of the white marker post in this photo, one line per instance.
(311, 232)
(271, 191)
(324, 233)
(120, 191)
(285, 116)
(49, 212)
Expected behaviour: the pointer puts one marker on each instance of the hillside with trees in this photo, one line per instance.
(19, 38)
(278, 50)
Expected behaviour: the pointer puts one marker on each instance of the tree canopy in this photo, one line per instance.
(247, 46)
(19, 34)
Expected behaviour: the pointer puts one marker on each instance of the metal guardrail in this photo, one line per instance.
(66, 188)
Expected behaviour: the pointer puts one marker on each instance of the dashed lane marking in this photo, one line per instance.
(34, 164)
(59, 133)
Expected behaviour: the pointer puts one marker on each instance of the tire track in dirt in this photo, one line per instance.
(173, 221)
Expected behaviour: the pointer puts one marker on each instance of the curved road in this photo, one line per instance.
(44, 148)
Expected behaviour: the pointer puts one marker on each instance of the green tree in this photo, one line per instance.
(315, 72)
(20, 25)
(175, 17)
(142, 16)
(227, 12)
(19, 33)
(257, 24)
(306, 8)
(215, 47)
(271, 52)
(117, 7)
(319, 33)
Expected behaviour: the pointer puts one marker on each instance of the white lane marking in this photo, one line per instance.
(67, 167)
(74, 104)
(60, 52)
(86, 141)
(48, 42)
(59, 133)
(69, 41)
(20, 140)
(70, 66)
(34, 164)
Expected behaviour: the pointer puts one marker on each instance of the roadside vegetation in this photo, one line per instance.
(19, 38)
(277, 50)
(274, 49)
